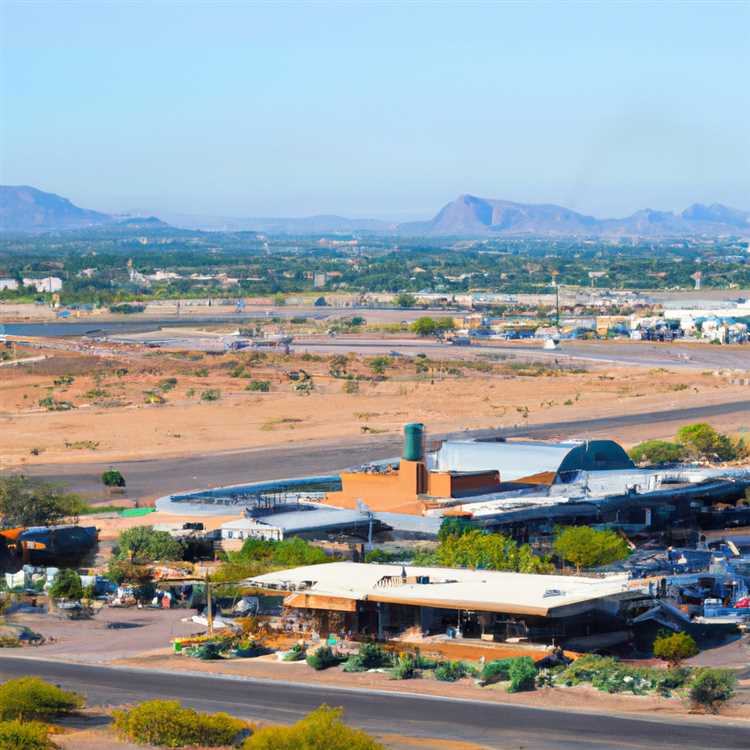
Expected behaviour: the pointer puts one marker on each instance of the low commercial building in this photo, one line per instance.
(49, 284)
(384, 601)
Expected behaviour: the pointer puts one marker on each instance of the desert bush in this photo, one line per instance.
(494, 671)
(522, 673)
(450, 671)
(168, 724)
(320, 730)
(323, 658)
(702, 441)
(407, 666)
(262, 386)
(212, 394)
(30, 698)
(296, 653)
(113, 478)
(369, 656)
(656, 452)
(675, 648)
(24, 735)
(52, 404)
(612, 676)
(711, 688)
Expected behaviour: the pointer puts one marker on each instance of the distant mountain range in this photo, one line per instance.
(472, 216)
(26, 209)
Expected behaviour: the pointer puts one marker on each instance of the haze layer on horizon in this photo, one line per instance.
(374, 109)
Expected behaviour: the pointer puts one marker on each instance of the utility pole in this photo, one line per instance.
(557, 299)
(209, 608)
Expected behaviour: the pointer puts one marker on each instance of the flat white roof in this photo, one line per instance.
(448, 588)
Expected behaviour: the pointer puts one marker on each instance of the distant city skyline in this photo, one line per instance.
(376, 109)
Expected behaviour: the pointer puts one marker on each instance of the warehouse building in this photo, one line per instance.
(385, 601)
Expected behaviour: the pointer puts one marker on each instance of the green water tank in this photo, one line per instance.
(413, 441)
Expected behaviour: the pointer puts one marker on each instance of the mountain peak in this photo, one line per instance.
(26, 209)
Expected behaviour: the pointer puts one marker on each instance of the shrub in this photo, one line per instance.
(320, 730)
(522, 673)
(323, 658)
(263, 386)
(657, 452)
(702, 441)
(495, 671)
(113, 478)
(407, 667)
(168, 724)
(450, 671)
(369, 656)
(212, 394)
(167, 384)
(675, 648)
(351, 387)
(611, 676)
(29, 698)
(24, 735)
(296, 653)
(711, 688)
(67, 585)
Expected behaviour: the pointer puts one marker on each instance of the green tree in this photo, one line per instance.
(701, 441)
(67, 585)
(588, 548)
(454, 526)
(144, 544)
(427, 326)
(31, 502)
(674, 648)
(404, 299)
(320, 730)
(656, 452)
(478, 550)
(113, 478)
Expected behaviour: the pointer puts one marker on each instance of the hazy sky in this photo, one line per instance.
(376, 109)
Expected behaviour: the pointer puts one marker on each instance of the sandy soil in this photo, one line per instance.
(112, 422)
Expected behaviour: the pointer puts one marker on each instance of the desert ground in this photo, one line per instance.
(137, 403)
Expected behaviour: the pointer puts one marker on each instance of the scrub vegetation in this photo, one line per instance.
(693, 442)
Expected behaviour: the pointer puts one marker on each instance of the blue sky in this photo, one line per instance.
(376, 109)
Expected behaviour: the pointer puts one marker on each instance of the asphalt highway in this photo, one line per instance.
(156, 477)
(488, 724)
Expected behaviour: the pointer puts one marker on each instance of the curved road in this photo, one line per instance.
(156, 477)
(488, 724)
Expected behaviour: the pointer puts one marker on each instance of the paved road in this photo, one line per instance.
(163, 476)
(491, 725)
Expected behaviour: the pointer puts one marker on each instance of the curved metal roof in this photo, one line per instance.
(518, 459)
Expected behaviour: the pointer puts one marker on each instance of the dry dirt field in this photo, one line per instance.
(112, 418)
